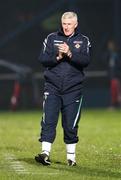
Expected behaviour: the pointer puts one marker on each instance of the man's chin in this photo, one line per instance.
(67, 34)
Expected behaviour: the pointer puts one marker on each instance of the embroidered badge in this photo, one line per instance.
(77, 46)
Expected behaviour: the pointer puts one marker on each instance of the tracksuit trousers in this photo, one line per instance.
(70, 107)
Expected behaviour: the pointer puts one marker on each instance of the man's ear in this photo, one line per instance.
(76, 25)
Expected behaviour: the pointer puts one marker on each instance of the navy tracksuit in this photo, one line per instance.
(63, 85)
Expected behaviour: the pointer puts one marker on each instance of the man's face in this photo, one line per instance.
(69, 26)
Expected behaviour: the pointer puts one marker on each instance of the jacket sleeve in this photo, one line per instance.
(81, 58)
(48, 55)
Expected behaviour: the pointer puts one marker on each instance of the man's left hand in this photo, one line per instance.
(63, 48)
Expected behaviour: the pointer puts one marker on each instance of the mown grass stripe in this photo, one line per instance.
(14, 164)
(19, 168)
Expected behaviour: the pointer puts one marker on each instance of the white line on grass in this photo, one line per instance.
(19, 168)
(14, 164)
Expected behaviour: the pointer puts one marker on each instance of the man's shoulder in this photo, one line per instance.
(51, 35)
(85, 39)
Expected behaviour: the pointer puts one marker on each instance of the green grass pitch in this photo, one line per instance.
(98, 149)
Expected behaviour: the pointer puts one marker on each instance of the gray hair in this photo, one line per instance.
(70, 15)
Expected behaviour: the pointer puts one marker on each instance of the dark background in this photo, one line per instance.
(25, 23)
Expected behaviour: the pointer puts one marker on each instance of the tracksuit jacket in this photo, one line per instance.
(65, 75)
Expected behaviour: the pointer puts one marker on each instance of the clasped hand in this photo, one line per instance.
(63, 48)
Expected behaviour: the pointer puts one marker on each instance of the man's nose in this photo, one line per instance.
(66, 27)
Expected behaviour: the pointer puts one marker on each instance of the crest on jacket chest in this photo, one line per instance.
(77, 44)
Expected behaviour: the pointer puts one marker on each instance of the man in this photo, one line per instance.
(64, 54)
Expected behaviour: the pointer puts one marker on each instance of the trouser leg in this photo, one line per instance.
(51, 108)
(70, 118)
